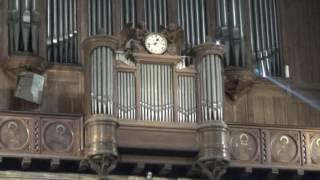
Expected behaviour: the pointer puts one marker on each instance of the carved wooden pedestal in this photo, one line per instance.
(214, 150)
(101, 144)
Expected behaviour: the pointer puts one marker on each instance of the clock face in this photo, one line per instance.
(156, 43)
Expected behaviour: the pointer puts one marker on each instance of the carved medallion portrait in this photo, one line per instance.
(244, 146)
(58, 137)
(283, 148)
(14, 134)
(315, 149)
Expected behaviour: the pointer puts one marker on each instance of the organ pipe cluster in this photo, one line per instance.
(23, 21)
(192, 17)
(101, 74)
(156, 92)
(230, 27)
(266, 39)
(100, 17)
(211, 82)
(129, 14)
(156, 14)
(126, 95)
(62, 31)
(187, 99)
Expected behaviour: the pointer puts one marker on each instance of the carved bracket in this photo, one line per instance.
(214, 169)
(101, 144)
(237, 81)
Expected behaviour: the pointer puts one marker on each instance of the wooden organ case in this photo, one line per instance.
(153, 102)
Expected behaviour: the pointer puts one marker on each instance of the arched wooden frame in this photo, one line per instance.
(89, 46)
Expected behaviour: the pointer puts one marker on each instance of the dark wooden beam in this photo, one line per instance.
(165, 170)
(192, 170)
(298, 175)
(54, 164)
(138, 169)
(272, 174)
(83, 165)
(246, 173)
(26, 162)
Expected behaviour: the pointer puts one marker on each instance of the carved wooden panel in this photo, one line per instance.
(58, 136)
(245, 145)
(40, 134)
(15, 134)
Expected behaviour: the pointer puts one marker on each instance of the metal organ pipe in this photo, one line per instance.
(100, 17)
(186, 106)
(156, 92)
(211, 83)
(101, 80)
(191, 16)
(156, 14)
(62, 31)
(265, 26)
(22, 20)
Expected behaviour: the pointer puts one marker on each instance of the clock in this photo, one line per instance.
(156, 43)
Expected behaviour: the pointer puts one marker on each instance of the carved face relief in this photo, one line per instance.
(315, 149)
(58, 137)
(284, 148)
(244, 146)
(14, 134)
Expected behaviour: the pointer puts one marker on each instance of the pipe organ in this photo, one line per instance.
(23, 20)
(266, 38)
(156, 14)
(192, 17)
(62, 31)
(100, 17)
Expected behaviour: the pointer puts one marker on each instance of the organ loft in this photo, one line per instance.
(159, 89)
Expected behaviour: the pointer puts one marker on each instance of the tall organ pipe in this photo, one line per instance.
(62, 31)
(100, 17)
(230, 30)
(101, 81)
(23, 23)
(210, 69)
(191, 16)
(156, 14)
(266, 37)
(156, 92)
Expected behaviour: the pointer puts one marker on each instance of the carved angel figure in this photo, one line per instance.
(175, 38)
(132, 38)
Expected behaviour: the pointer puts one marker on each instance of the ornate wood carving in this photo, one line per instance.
(237, 82)
(13, 65)
(101, 143)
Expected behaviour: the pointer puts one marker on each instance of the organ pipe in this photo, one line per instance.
(126, 95)
(62, 31)
(23, 22)
(187, 99)
(229, 17)
(156, 92)
(156, 14)
(101, 81)
(191, 16)
(266, 45)
(128, 12)
(100, 17)
(211, 100)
